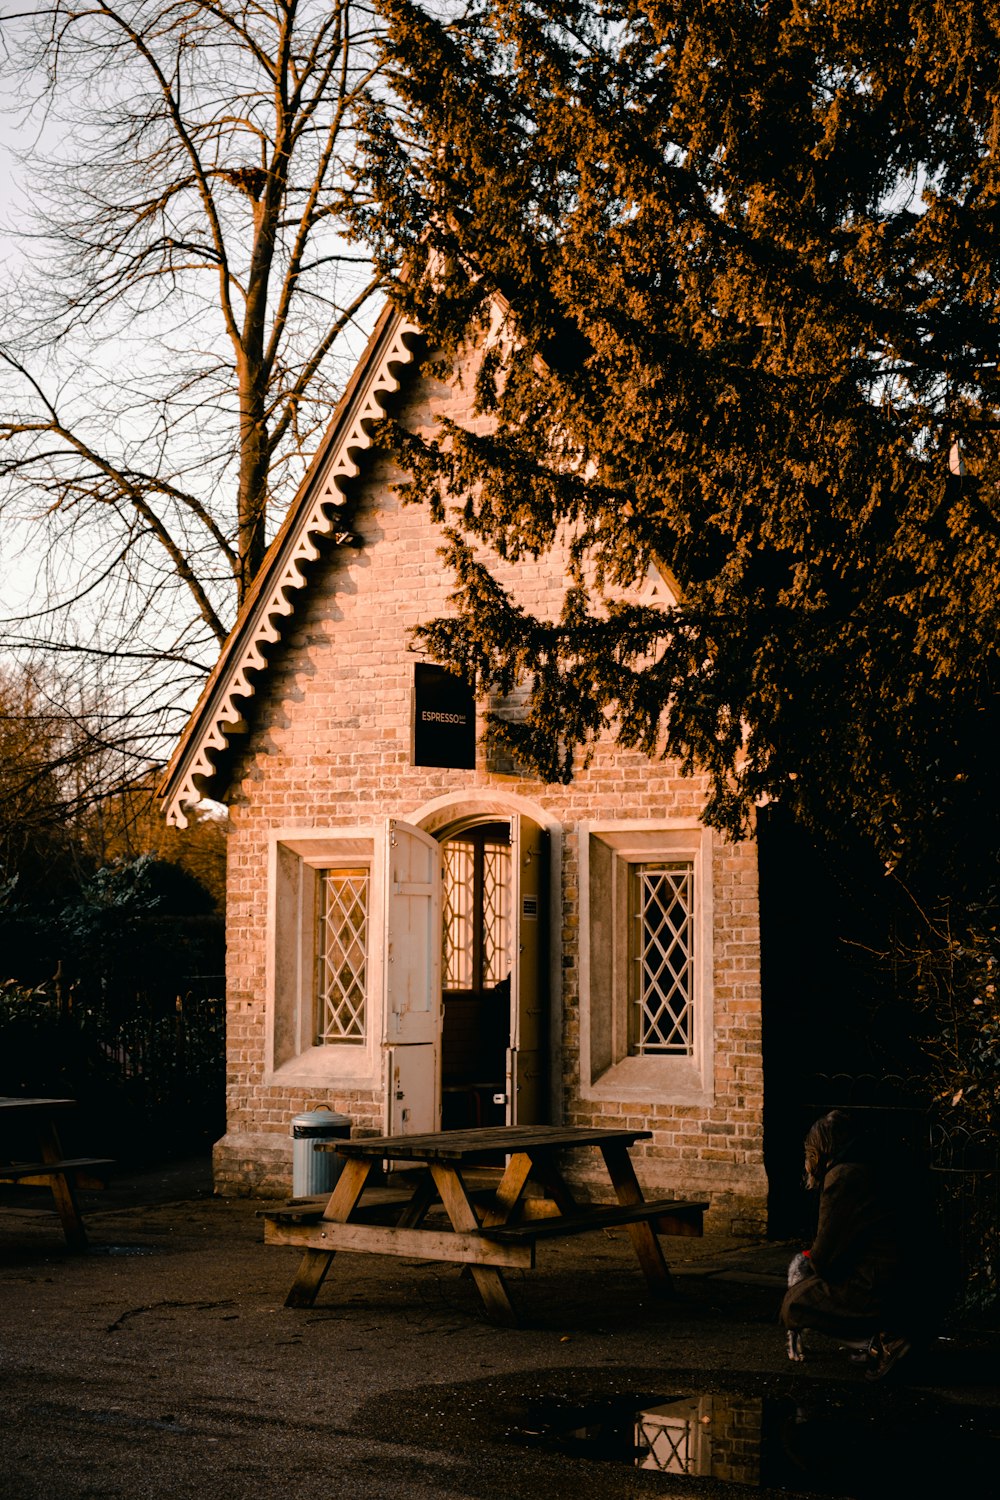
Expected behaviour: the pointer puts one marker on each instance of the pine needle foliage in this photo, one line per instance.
(748, 252)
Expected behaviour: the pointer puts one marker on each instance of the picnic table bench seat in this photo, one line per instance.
(62, 1175)
(85, 1171)
(378, 1203)
(384, 1208)
(668, 1215)
(24, 1118)
(538, 1218)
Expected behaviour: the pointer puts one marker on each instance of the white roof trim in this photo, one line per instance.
(319, 519)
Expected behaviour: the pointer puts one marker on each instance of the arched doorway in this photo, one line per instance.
(475, 974)
(493, 911)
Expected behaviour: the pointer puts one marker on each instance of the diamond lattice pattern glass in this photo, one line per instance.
(476, 888)
(663, 937)
(496, 914)
(342, 950)
(458, 916)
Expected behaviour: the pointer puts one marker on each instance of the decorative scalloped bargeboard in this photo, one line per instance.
(321, 518)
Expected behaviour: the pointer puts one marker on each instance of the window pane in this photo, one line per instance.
(475, 902)
(662, 934)
(458, 914)
(342, 954)
(496, 914)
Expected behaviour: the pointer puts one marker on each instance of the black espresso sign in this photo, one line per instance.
(444, 719)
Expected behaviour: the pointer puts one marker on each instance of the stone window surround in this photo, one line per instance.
(607, 1074)
(291, 1056)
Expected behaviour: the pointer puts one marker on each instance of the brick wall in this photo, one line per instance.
(331, 749)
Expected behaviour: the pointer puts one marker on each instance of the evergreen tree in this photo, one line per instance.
(748, 251)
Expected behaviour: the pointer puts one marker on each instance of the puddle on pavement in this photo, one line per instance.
(125, 1250)
(768, 1442)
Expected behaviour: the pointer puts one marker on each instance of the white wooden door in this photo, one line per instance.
(526, 1075)
(414, 1089)
(412, 977)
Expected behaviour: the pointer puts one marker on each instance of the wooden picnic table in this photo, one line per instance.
(34, 1120)
(490, 1231)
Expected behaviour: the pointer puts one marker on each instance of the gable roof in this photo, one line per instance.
(317, 512)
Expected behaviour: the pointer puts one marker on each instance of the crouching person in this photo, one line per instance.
(860, 1280)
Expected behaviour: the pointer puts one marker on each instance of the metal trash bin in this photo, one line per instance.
(316, 1171)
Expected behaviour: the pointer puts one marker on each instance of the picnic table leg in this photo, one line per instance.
(415, 1211)
(315, 1263)
(489, 1281)
(548, 1174)
(644, 1241)
(516, 1174)
(63, 1194)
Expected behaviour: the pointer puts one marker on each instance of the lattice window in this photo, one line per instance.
(341, 955)
(662, 959)
(458, 915)
(668, 1444)
(677, 1437)
(496, 914)
(475, 903)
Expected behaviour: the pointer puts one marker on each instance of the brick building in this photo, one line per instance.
(421, 944)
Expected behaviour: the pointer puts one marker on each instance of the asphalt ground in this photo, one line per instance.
(164, 1364)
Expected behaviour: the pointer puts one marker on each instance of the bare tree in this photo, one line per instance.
(171, 346)
(57, 758)
(70, 803)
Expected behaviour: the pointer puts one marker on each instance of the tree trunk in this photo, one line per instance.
(252, 494)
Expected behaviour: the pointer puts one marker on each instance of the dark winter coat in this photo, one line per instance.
(858, 1260)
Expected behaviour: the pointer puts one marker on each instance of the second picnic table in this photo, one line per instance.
(491, 1230)
(35, 1119)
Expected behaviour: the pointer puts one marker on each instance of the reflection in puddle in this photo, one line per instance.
(770, 1442)
(125, 1250)
(714, 1437)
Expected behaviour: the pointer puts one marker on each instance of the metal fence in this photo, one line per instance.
(147, 1067)
(169, 1054)
(163, 1044)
